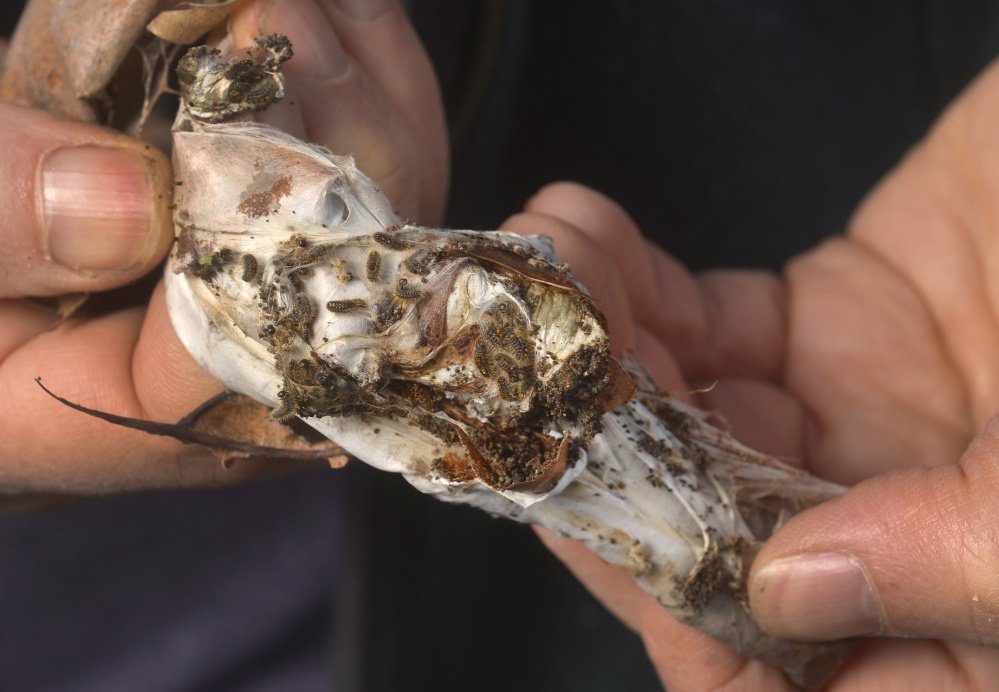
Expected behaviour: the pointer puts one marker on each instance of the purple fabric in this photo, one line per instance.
(226, 589)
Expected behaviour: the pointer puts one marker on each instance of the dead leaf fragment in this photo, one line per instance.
(64, 52)
(188, 24)
(238, 417)
(246, 437)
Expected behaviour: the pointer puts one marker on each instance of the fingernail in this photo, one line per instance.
(816, 597)
(362, 9)
(96, 208)
(318, 53)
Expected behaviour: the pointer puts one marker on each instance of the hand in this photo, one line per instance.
(873, 360)
(86, 209)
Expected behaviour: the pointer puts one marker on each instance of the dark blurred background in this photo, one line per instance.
(736, 133)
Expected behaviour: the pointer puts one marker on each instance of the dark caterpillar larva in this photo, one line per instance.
(374, 264)
(249, 268)
(404, 290)
(391, 241)
(351, 305)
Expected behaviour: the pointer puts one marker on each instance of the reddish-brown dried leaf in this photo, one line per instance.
(65, 52)
(241, 418)
(190, 22)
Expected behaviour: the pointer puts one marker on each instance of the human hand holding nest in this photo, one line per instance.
(87, 210)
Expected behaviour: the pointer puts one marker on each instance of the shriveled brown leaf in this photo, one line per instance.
(67, 305)
(246, 438)
(238, 417)
(93, 50)
(65, 52)
(190, 22)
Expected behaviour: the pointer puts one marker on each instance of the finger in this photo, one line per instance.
(396, 135)
(912, 553)
(587, 259)
(660, 364)
(119, 363)
(888, 665)
(22, 320)
(610, 584)
(588, 265)
(379, 36)
(612, 230)
(690, 660)
(867, 360)
(761, 415)
(722, 324)
(684, 658)
(85, 209)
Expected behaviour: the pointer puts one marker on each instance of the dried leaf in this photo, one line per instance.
(238, 417)
(91, 51)
(188, 24)
(505, 259)
(64, 53)
(244, 440)
(67, 306)
(620, 390)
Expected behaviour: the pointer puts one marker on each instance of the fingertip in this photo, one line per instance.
(816, 597)
(398, 89)
(364, 10)
(85, 209)
(588, 265)
(591, 211)
(318, 52)
(810, 581)
(611, 228)
(908, 554)
(575, 202)
(246, 22)
(104, 213)
(549, 196)
(251, 20)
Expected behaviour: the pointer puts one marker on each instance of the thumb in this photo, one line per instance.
(914, 554)
(84, 208)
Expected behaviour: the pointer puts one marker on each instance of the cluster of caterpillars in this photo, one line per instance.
(214, 89)
(288, 314)
(399, 271)
(504, 351)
